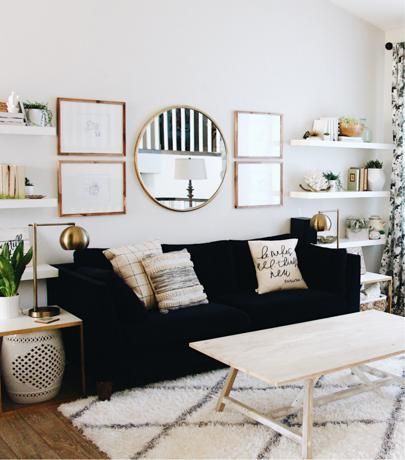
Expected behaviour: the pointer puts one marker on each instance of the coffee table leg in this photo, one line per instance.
(307, 420)
(226, 388)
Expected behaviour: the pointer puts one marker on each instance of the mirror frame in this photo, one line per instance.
(136, 154)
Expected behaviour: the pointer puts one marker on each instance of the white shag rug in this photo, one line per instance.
(176, 420)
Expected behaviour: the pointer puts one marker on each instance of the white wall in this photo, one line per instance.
(304, 59)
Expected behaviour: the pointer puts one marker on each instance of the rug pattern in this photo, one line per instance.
(176, 420)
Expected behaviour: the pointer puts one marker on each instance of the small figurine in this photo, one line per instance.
(13, 103)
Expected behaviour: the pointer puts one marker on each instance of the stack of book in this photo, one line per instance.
(328, 125)
(7, 118)
(357, 179)
(12, 181)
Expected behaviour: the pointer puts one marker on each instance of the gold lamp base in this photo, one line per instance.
(44, 312)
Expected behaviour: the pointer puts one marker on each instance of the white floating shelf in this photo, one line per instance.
(44, 271)
(370, 277)
(28, 130)
(345, 243)
(337, 195)
(342, 144)
(29, 203)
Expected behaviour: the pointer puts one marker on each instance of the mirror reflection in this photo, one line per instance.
(180, 158)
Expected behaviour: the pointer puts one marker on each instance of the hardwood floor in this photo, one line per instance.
(42, 432)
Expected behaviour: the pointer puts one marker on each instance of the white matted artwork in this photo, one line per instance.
(91, 188)
(87, 127)
(258, 184)
(258, 135)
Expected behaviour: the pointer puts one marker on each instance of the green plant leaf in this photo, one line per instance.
(7, 276)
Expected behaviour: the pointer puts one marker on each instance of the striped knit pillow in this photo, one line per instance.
(173, 280)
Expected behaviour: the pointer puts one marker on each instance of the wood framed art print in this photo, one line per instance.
(90, 127)
(258, 184)
(91, 188)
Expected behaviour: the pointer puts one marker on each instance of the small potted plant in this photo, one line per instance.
(350, 127)
(334, 181)
(38, 114)
(12, 266)
(29, 187)
(326, 136)
(375, 175)
(357, 228)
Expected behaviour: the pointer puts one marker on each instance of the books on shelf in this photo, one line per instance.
(357, 179)
(12, 181)
(7, 118)
(327, 125)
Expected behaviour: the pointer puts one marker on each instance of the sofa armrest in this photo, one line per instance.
(353, 276)
(93, 301)
(323, 268)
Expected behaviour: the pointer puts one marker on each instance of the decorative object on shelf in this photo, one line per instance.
(366, 136)
(29, 188)
(326, 137)
(315, 181)
(335, 184)
(376, 227)
(327, 125)
(3, 106)
(258, 183)
(11, 119)
(357, 179)
(312, 135)
(90, 127)
(350, 127)
(37, 113)
(258, 135)
(12, 265)
(33, 366)
(35, 197)
(321, 222)
(190, 169)
(356, 228)
(375, 175)
(91, 188)
(173, 133)
(13, 103)
(73, 237)
(12, 182)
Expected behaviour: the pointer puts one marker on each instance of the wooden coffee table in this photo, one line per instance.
(305, 352)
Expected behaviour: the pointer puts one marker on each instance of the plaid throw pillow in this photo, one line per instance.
(174, 280)
(127, 263)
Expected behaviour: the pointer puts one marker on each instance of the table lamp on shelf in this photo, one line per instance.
(73, 237)
(321, 222)
(190, 169)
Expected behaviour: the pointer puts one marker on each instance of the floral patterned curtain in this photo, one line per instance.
(393, 260)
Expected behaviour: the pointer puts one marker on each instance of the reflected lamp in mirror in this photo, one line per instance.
(187, 134)
(190, 169)
(321, 222)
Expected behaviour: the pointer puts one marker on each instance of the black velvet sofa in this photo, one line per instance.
(129, 346)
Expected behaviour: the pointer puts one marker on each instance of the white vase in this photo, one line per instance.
(33, 366)
(37, 117)
(334, 185)
(375, 179)
(29, 190)
(10, 307)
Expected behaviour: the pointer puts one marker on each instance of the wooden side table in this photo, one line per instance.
(25, 324)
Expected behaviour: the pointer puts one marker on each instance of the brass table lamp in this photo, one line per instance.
(321, 222)
(73, 237)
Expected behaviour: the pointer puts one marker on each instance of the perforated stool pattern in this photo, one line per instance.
(33, 366)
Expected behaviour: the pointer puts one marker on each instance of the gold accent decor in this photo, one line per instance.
(71, 238)
(321, 222)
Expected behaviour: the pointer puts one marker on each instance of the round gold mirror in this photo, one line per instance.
(180, 158)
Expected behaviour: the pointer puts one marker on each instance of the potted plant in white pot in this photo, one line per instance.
(38, 114)
(12, 266)
(29, 187)
(356, 228)
(375, 175)
(334, 181)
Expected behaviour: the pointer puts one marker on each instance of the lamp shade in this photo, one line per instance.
(321, 222)
(74, 237)
(190, 169)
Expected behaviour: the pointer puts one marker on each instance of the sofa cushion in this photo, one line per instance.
(286, 307)
(91, 257)
(212, 264)
(179, 327)
(244, 269)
